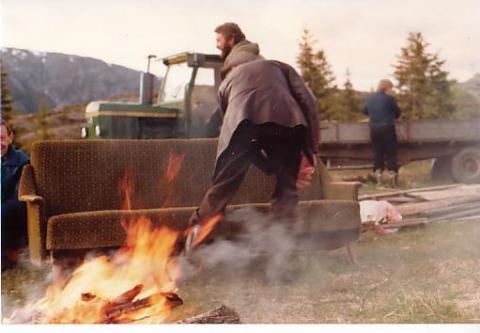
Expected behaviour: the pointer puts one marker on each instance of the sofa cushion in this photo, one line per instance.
(104, 228)
(329, 223)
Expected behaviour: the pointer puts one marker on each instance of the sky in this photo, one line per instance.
(365, 36)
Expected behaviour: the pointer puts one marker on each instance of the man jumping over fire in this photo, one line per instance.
(269, 120)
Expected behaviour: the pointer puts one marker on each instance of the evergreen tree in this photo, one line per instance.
(305, 62)
(41, 122)
(424, 88)
(348, 103)
(317, 73)
(7, 101)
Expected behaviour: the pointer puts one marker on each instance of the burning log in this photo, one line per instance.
(127, 296)
(112, 313)
(114, 310)
(220, 315)
(86, 297)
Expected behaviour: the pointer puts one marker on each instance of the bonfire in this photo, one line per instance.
(135, 284)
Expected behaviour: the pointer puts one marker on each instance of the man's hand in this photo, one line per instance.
(305, 173)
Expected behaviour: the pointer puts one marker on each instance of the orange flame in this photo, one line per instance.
(174, 165)
(142, 265)
(140, 276)
(126, 188)
(175, 162)
(205, 230)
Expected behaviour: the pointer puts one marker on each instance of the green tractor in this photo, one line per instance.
(186, 102)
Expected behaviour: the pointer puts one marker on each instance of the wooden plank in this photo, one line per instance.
(395, 193)
(424, 208)
(415, 196)
(460, 216)
(220, 315)
(455, 215)
(406, 223)
(469, 218)
(440, 211)
(462, 190)
(401, 200)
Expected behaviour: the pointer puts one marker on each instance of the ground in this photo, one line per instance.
(427, 274)
(423, 275)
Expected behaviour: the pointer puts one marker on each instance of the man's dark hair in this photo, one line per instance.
(230, 29)
(7, 126)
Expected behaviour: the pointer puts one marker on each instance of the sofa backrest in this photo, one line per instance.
(86, 175)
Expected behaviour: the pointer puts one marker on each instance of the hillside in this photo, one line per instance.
(60, 80)
(64, 123)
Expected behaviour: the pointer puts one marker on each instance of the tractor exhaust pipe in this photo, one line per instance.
(146, 89)
(146, 85)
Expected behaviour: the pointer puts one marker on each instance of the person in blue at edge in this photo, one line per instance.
(14, 217)
(382, 110)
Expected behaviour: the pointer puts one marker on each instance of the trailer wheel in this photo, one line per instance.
(442, 168)
(466, 166)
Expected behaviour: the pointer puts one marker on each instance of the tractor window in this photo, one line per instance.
(205, 77)
(176, 82)
(204, 97)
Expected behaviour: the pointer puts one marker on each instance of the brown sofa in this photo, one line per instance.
(74, 201)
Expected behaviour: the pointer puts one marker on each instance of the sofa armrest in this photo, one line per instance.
(31, 198)
(342, 191)
(27, 187)
(36, 219)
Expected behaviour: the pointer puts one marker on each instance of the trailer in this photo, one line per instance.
(454, 144)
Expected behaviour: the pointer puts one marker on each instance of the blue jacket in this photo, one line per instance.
(382, 109)
(12, 166)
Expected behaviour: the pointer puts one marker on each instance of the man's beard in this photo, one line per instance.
(225, 52)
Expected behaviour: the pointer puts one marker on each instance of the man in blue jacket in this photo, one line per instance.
(382, 110)
(14, 220)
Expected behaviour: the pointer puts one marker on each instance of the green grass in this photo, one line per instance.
(428, 274)
(421, 275)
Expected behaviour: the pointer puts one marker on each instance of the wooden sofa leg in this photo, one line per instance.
(352, 252)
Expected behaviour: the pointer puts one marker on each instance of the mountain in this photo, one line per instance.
(60, 79)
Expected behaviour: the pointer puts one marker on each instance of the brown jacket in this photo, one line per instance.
(264, 91)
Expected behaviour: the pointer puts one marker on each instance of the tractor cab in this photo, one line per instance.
(186, 100)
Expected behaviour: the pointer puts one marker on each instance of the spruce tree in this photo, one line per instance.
(317, 73)
(424, 88)
(6, 100)
(348, 103)
(41, 122)
(305, 62)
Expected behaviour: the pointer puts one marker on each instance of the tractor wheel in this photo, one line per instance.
(442, 169)
(466, 165)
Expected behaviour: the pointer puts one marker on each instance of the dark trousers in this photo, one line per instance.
(14, 225)
(274, 150)
(384, 142)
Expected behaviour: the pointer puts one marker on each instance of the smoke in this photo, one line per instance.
(23, 284)
(262, 244)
